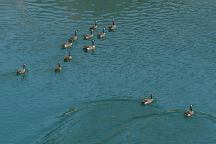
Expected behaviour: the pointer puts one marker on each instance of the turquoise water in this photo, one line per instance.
(163, 47)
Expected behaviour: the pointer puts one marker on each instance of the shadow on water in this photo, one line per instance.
(126, 121)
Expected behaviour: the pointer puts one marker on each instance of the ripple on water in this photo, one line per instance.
(125, 121)
(164, 47)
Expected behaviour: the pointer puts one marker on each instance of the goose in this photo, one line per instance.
(21, 71)
(58, 68)
(68, 58)
(90, 47)
(112, 27)
(148, 100)
(102, 34)
(67, 45)
(88, 36)
(94, 27)
(190, 112)
(74, 37)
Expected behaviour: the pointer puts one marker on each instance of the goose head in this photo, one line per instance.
(58, 64)
(113, 22)
(95, 23)
(191, 108)
(24, 66)
(93, 42)
(104, 30)
(91, 31)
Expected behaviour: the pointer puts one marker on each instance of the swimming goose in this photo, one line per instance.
(148, 100)
(74, 37)
(94, 27)
(58, 68)
(68, 58)
(21, 71)
(88, 36)
(67, 44)
(102, 34)
(190, 112)
(90, 47)
(112, 27)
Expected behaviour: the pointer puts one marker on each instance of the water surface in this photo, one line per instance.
(163, 47)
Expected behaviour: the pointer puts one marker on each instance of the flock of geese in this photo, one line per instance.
(187, 113)
(73, 39)
(100, 35)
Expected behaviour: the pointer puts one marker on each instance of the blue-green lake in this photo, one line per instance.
(162, 47)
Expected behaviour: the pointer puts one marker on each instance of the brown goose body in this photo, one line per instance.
(90, 47)
(74, 37)
(94, 27)
(88, 36)
(190, 112)
(67, 58)
(112, 27)
(21, 71)
(148, 101)
(67, 45)
(102, 34)
(58, 68)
